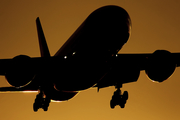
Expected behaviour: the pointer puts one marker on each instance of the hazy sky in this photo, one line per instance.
(155, 25)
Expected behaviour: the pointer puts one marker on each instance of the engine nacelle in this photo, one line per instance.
(20, 71)
(160, 66)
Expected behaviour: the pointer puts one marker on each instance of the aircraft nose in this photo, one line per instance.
(110, 23)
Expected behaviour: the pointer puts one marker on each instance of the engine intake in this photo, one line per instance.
(160, 66)
(20, 71)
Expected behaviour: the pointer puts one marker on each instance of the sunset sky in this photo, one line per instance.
(155, 25)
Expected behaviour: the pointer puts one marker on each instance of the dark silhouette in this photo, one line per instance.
(89, 58)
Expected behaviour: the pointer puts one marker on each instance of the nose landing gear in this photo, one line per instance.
(118, 99)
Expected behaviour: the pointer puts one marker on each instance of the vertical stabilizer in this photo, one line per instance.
(42, 41)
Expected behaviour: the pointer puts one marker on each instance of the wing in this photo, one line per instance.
(20, 68)
(22, 65)
(14, 89)
(125, 68)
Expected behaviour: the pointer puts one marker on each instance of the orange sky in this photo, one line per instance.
(155, 26)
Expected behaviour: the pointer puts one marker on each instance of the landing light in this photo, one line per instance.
(74, 53)
(116, 55)
(65, 57)
(30, 91)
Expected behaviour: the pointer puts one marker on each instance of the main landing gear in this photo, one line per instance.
(41, 102)
(118, 99)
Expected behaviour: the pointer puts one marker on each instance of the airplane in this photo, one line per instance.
(89, 58)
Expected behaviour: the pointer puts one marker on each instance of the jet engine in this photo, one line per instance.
(20, 71)
(160, 66)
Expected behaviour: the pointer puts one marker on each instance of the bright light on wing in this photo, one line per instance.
(55, 101)
(19, 92)
(29, 91)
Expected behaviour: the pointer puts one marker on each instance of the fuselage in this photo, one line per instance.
(90, 48)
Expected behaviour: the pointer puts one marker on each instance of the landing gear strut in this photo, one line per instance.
(118, 99)
(41, 102)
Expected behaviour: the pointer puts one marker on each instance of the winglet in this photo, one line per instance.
(42, 40)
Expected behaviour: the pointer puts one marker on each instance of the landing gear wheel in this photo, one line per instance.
(35, 107)
(38, 102)
(122, 105)
(112, 105)
(118, 99)
(45, 108)
(46, 104)
(125, 95)
(123, 99)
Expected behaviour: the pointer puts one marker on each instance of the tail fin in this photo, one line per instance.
(42, 41)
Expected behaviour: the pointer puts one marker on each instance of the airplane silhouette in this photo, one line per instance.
(89, 58)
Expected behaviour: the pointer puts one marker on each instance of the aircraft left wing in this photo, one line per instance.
(125, 68)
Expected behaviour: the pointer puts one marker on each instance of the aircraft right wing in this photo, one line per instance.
(22, 71)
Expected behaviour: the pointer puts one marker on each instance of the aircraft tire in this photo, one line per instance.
(122, 105)
(125, 95)
(45, 108)
(46, 104)
(123, 99)
(112, 105)
(35, 107)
